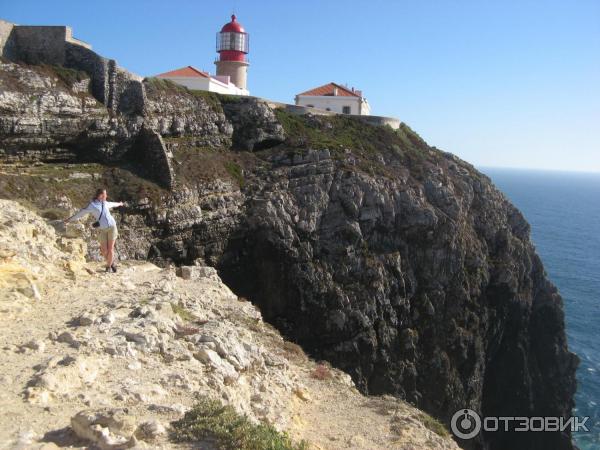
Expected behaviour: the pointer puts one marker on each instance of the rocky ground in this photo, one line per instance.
(92, 358)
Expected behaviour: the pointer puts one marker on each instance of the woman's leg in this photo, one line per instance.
(103, 249)
(110, 252)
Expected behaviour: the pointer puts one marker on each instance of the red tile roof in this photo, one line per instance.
(187, 72)
(328, 89)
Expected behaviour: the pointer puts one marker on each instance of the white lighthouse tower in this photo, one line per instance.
(232, 46)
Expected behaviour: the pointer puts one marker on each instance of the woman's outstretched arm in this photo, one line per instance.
(82, 212)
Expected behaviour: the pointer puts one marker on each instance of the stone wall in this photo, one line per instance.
(39, 44)
(7, 40)
(155, 159)
(55, 45)
(127, 94)
(96, 66)
(380, 121)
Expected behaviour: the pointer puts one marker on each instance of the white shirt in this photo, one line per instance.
(95, 209)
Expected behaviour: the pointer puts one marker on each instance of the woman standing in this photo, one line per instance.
(105, 223)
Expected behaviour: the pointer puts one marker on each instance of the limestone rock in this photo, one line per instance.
(109, 428)
(196, 272)
(150, 430)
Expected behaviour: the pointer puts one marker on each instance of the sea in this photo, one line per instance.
(563, 209)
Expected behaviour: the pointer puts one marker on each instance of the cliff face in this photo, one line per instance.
(110, 361)
(396, 262)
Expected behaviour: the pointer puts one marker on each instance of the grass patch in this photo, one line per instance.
(434, 425)
(377, 150)
(164, 85)
(294, 349)
(335, 132)
(231, 99)
(68, 76)
(235, 171)
(209, 419)
(199, 164)
(212, 99)
(43, 185)
(182, 312)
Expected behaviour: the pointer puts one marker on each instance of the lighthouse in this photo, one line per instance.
(232, 46)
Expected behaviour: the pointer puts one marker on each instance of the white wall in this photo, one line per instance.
(335, 103)
(207, 84)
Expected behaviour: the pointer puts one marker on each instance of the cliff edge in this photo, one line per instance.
(91, 358)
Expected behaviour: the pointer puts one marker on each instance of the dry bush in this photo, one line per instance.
(321, 372)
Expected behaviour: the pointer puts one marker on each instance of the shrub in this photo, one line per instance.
(321, 372)
(434, 425)
(209, 419)
(68, 76)
(235, 171)
(294, 349)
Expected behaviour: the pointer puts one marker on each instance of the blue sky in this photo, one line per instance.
(504, 83)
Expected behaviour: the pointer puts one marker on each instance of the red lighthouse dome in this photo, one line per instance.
(233, 26)
(232, 41)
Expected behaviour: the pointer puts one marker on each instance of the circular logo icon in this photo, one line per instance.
(465, 424)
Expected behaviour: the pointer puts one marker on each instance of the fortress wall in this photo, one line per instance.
(8, 45)
(116, 88)
(82, 58)
(155, 159)
(127, 93)
(41, 44)
(120, 90)
(380, 121)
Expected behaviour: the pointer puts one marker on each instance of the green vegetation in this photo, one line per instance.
(235, 171)
(230, 98)
(164, 85)
(409, 137)
(42, 185)
(371, 145)
(182, 312)
(196, 164)
(433, 424)
(212, 99)
(343, 131)
(68, 76)
(303, 131)
(230, 431)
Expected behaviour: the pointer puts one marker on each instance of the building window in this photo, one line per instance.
(346, 109)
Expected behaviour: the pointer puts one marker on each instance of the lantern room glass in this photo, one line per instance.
(232, 41)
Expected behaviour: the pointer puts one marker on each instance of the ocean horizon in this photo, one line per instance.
(563, 209)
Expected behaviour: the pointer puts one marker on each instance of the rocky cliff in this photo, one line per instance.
(111, 361)
(394, 261)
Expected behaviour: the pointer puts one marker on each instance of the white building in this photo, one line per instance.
(193, 78)
(336, 98)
